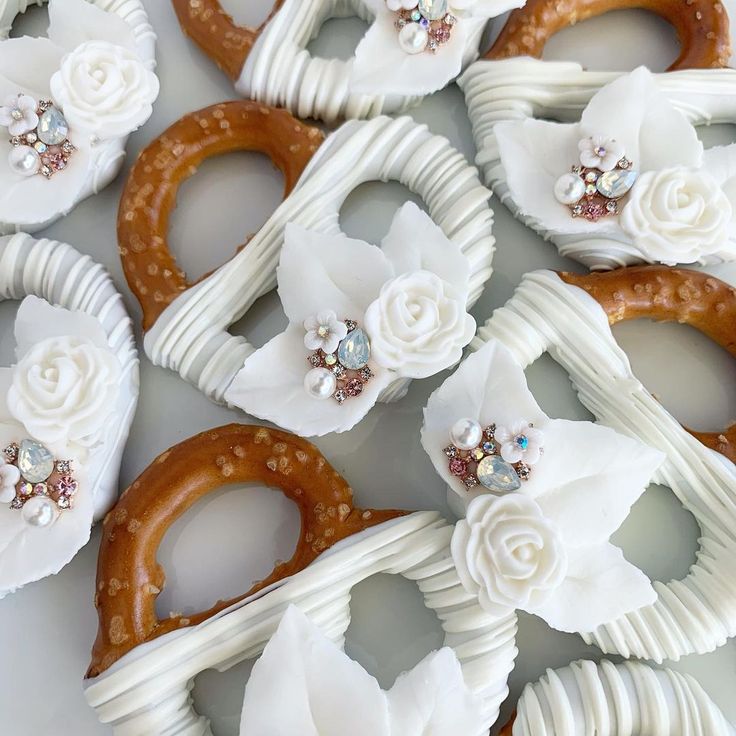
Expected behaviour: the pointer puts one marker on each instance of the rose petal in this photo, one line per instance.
(73, 22)
(270, 385)
(321, 271)
(304, 684)
(600, 587)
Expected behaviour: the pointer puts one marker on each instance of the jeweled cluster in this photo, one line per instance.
(36, 483)
(340, 358)
(423, 25)
(39, 136)
(594, 187)
(497, 458)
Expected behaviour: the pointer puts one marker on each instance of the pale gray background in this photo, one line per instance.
(232, 538)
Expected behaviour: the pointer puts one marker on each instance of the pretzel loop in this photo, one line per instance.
(670, 295)
(150, 191)
(128, 576)
(702, 27)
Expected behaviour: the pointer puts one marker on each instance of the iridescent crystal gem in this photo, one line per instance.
(354, 350)
(35, 462)
(25, 488)
(450, 451)
(590, 190)
(64, 502)
(330, 359)
(415, 15)
(477, 454)
(496, 474)
(52, 127)
(522, 441)
(458, 467)
(433, 9)
(591, 176)
(40, 146)
(614, 184)
(40, 489)
(488, 447)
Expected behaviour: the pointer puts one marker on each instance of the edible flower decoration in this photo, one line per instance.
(67, 103)
(632, 170)
(56, 404)
(539, 517)
(360, 318)
(328, 693)
(416, 47)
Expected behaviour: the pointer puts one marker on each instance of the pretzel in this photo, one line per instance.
(670, 295)
(150, 191)
(128, 576)
(702, 27)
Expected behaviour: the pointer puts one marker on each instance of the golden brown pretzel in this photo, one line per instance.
(128, 576)
(150, 191)
(215, 32)
(670, 295)
(702, 27)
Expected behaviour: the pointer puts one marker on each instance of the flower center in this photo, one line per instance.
(600, 151)
(16, 114)
(523, 441)
(323, 331)
(98, 74)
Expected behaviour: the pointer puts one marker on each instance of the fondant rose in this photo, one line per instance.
(418, 325)
(104, 89)
(675, 214)
(507, 552)
(64, 389)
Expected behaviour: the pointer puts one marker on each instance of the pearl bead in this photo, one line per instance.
(320, 383)
(39, 511)
(569, 188)
(413, 39)
(466, 434)
(24, 160)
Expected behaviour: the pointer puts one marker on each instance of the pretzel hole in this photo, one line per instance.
(229, 199)
(337, 38)
(8, 311)
(227, 541)
(551, 386)
(721, 134)
(391, 629)
(33, 22)
(247, 14)
(691, 375)
(597, 43)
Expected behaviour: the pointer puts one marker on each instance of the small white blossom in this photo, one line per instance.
(18, 114)
(597, 152)
(324, 331)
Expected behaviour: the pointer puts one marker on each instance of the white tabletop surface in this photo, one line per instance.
(233, 537)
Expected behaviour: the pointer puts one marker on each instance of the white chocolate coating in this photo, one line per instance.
(146, 693)
(694, 615)
(629, 699)
(62, 276)
(191, 335)
(519, 88)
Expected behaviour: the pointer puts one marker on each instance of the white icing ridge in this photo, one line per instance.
(694, 615)
(629, 699)
(280, 71)
(147, 692)
(64, 277)
(520, 88)
(191, 336)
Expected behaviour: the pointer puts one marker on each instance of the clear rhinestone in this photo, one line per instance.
(31, 138)
(523, 471)
(612, 206)
(11, 452)
(351, 324)
(450, 19)
(489, 431)
(496, 474)
(16, 503)
(614, 184)
(314, 360)
(63, 502)
(470, 481)
(624, 163)
(35, 462)
(354, 350)
(52, 127)
(433, 9)
(340, 396)
(450, 451)
(366, 374)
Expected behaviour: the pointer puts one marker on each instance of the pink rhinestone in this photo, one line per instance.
(354, 387)
(25, 489)
(594, 211)
(442, 34)
(40, 489)
(458, 466)
(67, 486)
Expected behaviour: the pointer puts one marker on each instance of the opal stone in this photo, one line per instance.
(35, 462)
(354, 351)
(614, 184)
(52, 127)
(495, 474)
(433, 9)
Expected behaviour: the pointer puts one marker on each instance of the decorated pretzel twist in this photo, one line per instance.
(702, 27)
(150, 191)
(128, 576)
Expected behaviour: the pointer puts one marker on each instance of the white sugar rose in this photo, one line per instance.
(104, 89)
(64, 389)
(508, 553)
(677, 215)
(418, 325)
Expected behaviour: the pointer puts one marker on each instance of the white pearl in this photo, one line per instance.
(39, 511)
(24, 160)
(569, 188)
(320, 383)
(413, 39)
(466, 434)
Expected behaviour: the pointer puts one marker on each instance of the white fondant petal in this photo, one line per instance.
(588, 479)
(270, 385)
(17, 75)
(415, 243)
(382, 67)
(434, 699)
(74, 22)
(600, 586)
(304, 684)
(321, 271)
(38, 320)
